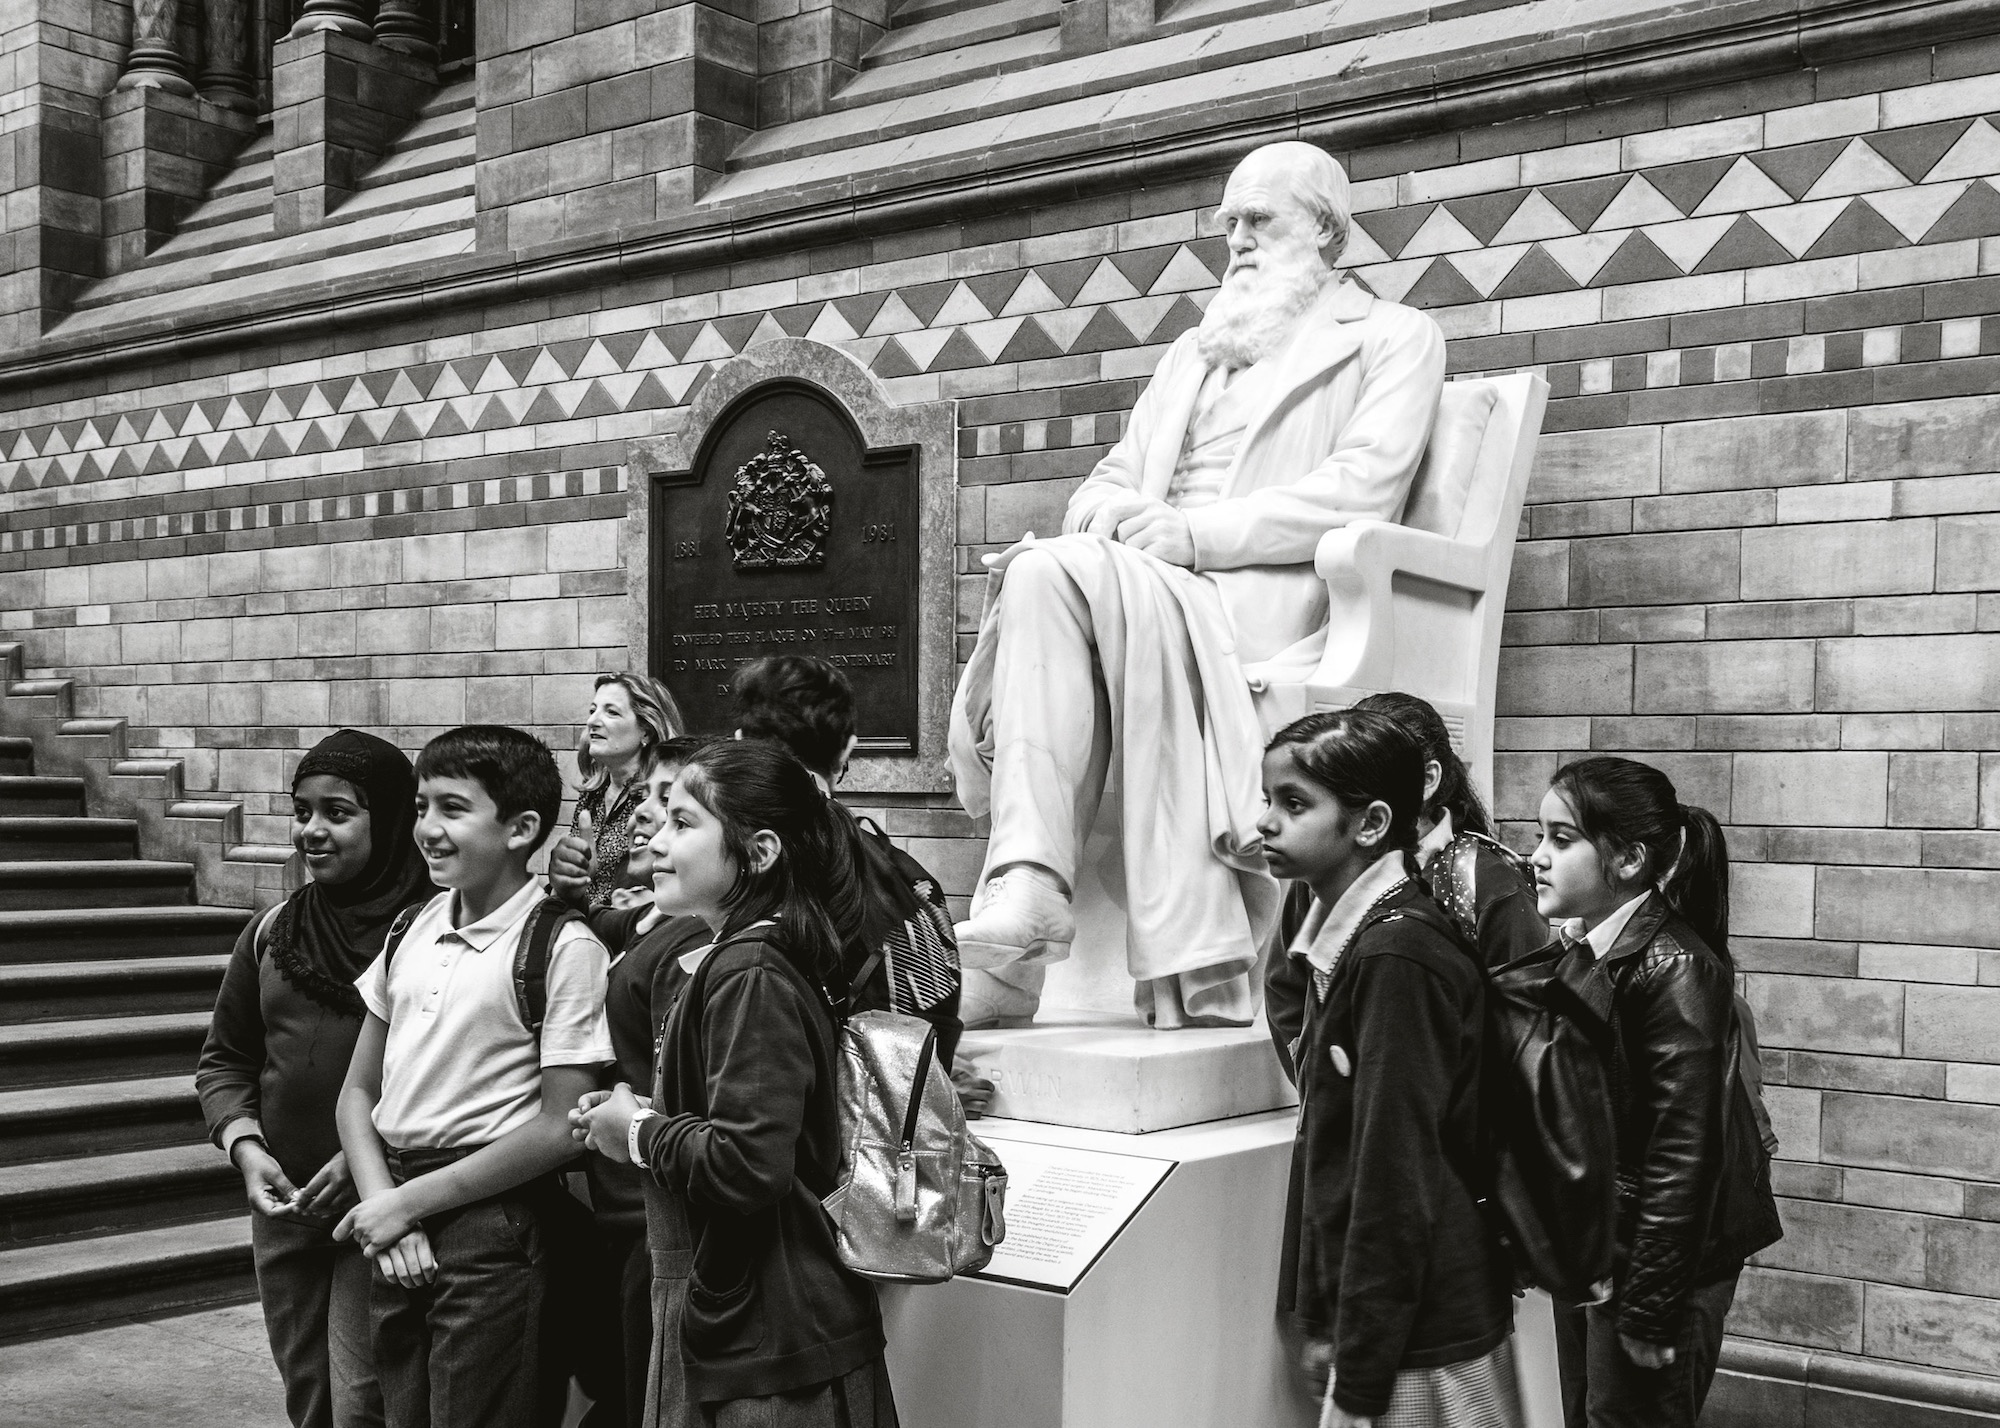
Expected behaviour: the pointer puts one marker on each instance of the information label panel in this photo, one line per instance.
(1064, 1206)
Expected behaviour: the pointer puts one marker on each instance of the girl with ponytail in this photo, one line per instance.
(741, 1135)
(1642, 881)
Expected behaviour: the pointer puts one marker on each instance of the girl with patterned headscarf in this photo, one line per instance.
(277, 1051)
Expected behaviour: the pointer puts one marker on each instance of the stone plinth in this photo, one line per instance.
(1103, 1071)
(1174, 1325)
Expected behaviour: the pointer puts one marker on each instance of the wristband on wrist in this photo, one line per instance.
(252, 1138)
(632, 1136)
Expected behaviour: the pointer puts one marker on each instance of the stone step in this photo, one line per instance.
(201, 240)
(85, 933)
(48, 1122)
(33, 697)
(249, 175)
(997, 20)
(250, 254)
(121, 1190)
(253, 166)
(41, 839)
(409, 194)
(35, 796)
(128, 882)
(58, 1053)
(943, 68)
(68, 991)
(68, 1282)
(253, 201)
(17, 756)
(916, 12)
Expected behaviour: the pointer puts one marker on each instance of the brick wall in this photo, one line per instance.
(1757, 550)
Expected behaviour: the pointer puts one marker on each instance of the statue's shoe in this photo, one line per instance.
(1016, 917)
(1000, 997)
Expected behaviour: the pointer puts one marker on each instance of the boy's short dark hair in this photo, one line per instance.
(677, 750)
(798, 701)
(515, 768)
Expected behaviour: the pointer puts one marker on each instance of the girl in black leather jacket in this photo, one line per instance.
(1644, 880)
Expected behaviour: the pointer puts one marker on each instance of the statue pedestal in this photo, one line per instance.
(1104, 1071)
(1144, 1289)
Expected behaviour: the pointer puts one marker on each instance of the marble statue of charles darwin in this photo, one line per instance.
(1136, 641)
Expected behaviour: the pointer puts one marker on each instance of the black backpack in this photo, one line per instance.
(906, 922)
(1551, 1141)
(531, 954)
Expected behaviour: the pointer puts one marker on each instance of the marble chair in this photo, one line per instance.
(1416, 606)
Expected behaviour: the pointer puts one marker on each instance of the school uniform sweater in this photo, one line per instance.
(1386, 1254)
(748, 1134)
(641, 987)
(275, 1055)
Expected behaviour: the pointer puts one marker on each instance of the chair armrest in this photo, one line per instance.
(1359, 563)
(1372, 550)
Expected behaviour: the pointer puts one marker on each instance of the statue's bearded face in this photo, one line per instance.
(1276, 268)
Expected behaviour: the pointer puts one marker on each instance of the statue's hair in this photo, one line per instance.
(1320, 184)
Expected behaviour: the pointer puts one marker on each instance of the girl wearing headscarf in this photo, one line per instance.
(277, 1051)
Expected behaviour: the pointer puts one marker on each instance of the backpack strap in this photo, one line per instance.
(906, 1149)
(397, 931)
(531, 958)
(262, 936)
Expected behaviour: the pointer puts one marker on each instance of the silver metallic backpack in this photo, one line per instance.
(920, 1197)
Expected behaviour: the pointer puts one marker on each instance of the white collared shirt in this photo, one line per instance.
(1603, 937)
(1327, 931)
(691, 960)
(460, 1067)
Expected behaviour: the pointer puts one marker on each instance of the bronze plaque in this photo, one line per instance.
(789, 536)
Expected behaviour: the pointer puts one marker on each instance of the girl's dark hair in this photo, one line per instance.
(1455, 794)
(1621, 802)
(752, 784)
(1360, 756)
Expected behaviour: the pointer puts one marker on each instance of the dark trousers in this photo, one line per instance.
(465, 1350)
(315, 1296)
(1602, 1388)
(600, 1319)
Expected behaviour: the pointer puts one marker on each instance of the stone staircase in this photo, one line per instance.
(416, 203)
(951, 41)
(112, 1201)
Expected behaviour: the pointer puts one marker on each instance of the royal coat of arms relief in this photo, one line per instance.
(780, 509)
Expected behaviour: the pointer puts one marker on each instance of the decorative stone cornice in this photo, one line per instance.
(1653, 54)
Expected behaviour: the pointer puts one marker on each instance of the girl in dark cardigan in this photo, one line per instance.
(1388, 1270)
(277, 1050)
(742, 1130)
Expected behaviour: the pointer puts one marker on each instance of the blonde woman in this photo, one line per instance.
(629, 714)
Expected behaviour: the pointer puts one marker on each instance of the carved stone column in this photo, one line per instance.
(405, 26)
(155, 60)
(225, 72)
(346, 17)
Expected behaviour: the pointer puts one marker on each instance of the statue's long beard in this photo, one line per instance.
(1256, 310)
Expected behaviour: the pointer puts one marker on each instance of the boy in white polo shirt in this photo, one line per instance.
(454, 1115)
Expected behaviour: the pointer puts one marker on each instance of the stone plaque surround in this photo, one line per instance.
(929, 428)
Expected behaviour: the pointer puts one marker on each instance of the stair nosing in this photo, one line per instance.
(29, 1105)
(93, 1258)
(40, 1180)
(26, 1035)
